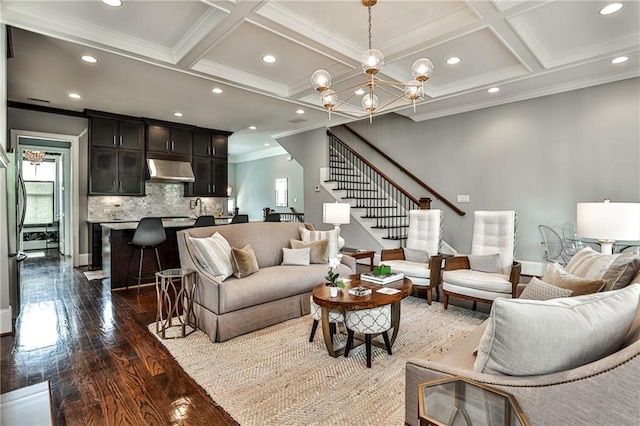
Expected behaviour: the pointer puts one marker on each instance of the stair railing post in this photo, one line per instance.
(425, 203)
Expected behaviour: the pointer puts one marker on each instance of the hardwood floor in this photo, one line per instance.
(105, 367)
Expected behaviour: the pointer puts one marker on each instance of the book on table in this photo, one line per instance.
(381, 279)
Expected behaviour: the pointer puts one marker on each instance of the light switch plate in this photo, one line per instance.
(463, 198)
(317, 188)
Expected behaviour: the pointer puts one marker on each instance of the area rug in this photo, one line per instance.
(275, 376)
(94, 275)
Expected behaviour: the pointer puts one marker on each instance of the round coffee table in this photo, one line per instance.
(349, 302)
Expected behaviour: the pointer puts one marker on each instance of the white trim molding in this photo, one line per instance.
(6, 324)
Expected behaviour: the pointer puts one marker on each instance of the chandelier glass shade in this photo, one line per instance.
(34, 157)
(372, 61)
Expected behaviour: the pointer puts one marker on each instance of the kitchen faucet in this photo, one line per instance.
(197, 202)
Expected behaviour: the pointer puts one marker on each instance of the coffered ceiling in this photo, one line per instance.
(156, 58)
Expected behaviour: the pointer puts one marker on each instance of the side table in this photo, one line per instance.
(175, 307)
(457, 401)
(360, 254)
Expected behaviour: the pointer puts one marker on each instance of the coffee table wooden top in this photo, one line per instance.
(347, 301)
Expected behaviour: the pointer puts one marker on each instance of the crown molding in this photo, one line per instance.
(258, 155)
(247, 79)
(203, 26)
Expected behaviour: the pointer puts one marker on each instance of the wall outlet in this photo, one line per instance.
(463, 198)
(317, 188)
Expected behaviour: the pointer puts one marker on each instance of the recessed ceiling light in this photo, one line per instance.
(269, 59)
(300, 111)
(359, 92)
(216, 90)
(89, 59)
(178, 114)
(267, 144)
(620, 59)
(114, 3)
(611, 8)
(494, 90)
(74, 96)
(453, 60)
(252, 127)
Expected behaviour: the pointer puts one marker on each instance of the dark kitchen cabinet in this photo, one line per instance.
(209, 145)
(116, 157)
(168, 140)
(210, 177)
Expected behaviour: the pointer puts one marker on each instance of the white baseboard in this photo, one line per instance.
(6, 325)
(83, 259)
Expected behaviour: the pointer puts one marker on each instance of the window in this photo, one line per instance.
(281, 192)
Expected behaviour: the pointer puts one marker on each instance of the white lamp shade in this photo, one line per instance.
(609, 221)
(336, 213)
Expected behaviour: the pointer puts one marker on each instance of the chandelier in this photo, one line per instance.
(372, 62)
(35, 157)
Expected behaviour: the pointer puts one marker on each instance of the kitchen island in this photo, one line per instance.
(118, 256)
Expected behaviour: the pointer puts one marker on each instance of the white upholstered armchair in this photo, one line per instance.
(421, 261)
(490, 271)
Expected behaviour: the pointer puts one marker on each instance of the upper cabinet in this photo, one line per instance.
(207, 144)
(164, 139)
(116, 156)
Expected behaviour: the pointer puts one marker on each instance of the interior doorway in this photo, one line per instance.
(52, 185)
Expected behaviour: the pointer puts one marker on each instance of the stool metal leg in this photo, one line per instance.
(367, 340)
(385, 336)
(140, 267)
(349, 343)
(314, 327)
(158, 259)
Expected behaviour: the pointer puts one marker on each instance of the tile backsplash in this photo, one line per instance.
(162, 199)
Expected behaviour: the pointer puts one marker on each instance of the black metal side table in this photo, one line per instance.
(175, 305)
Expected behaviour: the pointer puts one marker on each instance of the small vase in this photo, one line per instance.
(333, 291)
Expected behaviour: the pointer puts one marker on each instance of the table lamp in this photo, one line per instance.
(609, 222)
(336, 214)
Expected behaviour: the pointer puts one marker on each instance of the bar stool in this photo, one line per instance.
(335, 317)
(205, 221)
(368, 322)
(149, 234)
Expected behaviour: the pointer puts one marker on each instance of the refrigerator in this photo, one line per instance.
(16, 210)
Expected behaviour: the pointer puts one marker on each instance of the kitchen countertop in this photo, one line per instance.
(167, 223)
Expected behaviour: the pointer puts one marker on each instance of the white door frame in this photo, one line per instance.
(74, 184)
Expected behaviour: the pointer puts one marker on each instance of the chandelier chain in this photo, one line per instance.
(369, 8)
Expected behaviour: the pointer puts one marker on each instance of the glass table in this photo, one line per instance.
(460, 401)
(175, 303)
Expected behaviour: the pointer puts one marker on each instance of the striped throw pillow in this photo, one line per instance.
(214, 255)
(332, 236)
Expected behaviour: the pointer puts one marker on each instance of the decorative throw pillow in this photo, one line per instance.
(318, 253)
(244, 261)
(557, 276)
(539, 290)
(486, 263)
(296, 257)
(616, 270)
(414, 255)
(214, 255)
(332, 236)
(533, 337)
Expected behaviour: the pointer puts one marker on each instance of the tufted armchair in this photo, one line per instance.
(490, 271)
(424, 235)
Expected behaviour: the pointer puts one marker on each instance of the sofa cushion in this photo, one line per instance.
(415, 255)
(532, 337)
(331, 236)
(554, 274)
(244, 261)
(214, 255)
(540, 290)
(486, 263)
(296, 257)
(478, 280)
(617, 270)
(318, 253)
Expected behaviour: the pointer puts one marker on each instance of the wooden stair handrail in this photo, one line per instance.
(378, 171)
(407, 172)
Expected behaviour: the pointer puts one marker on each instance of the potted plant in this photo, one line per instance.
(333, 278)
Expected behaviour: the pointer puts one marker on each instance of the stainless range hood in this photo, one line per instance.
(170, 171)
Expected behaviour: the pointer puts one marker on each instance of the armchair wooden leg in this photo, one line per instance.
(446, 300)
(475, 304)
(429, 295)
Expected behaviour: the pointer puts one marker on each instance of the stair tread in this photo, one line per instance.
(389, 227)
(363, 198)
(395, 238)
(383, 217)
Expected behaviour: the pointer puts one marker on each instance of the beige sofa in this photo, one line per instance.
(275, 293)
(604, 391)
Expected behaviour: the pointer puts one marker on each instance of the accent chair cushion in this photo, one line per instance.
(318, 253)
(539, 290)
(214, 255)
(555, 275)
(617, 270)
(331, 236)
(533, 337)
(498, 283)
(244, 261)
(489, 263)
(415, 255)
(295, 257)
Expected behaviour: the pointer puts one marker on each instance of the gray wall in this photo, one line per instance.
(539, 157)
(35, 121)
(255, 185)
